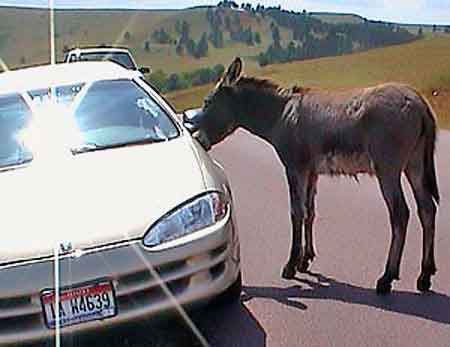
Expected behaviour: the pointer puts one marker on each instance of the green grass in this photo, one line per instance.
(424, 64)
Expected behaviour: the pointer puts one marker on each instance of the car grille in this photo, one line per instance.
(18, 314)
(138, 288)
(24, 313)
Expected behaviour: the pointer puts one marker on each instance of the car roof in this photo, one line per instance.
(99, 49)
(46, 76)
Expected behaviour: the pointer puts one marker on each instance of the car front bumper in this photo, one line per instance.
(193, 271)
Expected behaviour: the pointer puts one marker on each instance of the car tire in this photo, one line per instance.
(232, 293)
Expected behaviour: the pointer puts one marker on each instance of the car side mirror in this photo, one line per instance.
(190, 119)
(145, 70)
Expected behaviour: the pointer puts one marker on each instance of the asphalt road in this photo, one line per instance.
(336, 306)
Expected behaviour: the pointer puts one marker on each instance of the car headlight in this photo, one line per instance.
(194, 215)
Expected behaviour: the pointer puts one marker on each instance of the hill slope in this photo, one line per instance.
(424, 64)
(24, 35)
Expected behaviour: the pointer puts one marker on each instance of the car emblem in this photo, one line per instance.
(65, 247)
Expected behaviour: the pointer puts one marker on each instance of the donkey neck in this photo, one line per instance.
(260, 107)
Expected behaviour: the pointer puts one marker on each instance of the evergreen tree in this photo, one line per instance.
(202, 47)
(219, 70)
(276, 35)
(185, 32)
(191, 47)
(159, 80)
(180, 49)
(178, 27)
(216, 38)
(257, 38)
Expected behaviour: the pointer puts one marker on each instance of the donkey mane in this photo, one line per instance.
(271, 87)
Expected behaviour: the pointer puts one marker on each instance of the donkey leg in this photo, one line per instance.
(427, 215)
(309, 253)
(297, 191)
(399, 215)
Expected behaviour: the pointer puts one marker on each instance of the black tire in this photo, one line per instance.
(232, 293)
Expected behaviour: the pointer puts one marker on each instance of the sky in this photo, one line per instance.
(402, 11)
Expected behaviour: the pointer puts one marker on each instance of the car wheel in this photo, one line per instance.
(232, 293)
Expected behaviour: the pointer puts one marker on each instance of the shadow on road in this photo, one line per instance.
(431, 306)
(224, 325)
(231, 325)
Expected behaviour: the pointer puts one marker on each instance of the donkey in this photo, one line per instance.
(382, 131)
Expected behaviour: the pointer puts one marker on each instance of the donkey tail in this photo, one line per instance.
(430, 135)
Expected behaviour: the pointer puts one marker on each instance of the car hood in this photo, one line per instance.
(94, 198)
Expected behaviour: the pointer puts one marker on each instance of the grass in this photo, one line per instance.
(24, 34)
(338, 18)
(350, 18)
(424, 64)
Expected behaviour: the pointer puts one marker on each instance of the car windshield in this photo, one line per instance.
(87, 116)
(14, 116)
(120, 58)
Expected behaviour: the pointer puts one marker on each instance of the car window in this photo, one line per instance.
(14, 117)
(122, 59)
(120, 111)
(103, 113)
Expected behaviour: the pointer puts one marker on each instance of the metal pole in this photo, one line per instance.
(52, 32)
(57, 297)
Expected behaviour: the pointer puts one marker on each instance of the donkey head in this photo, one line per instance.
(219, 117)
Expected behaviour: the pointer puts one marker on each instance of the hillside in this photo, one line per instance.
(350, 18)
(338, 18)
(425, 64)
(24, 35)
(282, 35)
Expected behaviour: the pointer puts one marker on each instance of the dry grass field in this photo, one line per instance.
(424, 64)
(24, 35)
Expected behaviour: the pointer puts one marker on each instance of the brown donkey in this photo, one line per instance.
(381, 131)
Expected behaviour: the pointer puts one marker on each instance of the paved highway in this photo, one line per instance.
(336, 305)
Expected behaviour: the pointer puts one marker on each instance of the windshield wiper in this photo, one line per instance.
(16, 165)
(92, 146)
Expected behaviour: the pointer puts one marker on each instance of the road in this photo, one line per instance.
(336, 306)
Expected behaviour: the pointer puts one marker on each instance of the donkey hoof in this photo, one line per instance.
(383, 287)
(303, 266)
(288, 272)
(423, 283)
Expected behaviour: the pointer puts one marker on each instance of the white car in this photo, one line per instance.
(107, 202)
(121, 56)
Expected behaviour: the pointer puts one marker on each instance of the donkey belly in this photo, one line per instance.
(348, 164)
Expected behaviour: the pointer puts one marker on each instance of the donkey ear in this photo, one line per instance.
(233, 73)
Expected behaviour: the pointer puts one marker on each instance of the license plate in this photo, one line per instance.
(80, 304)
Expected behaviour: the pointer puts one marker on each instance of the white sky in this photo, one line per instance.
(404, 11)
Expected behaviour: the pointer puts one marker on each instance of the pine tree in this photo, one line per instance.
(202, 47)
(257, 38)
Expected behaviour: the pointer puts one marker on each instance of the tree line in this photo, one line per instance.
(221, 21)
(314, 38)
(176, 81)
